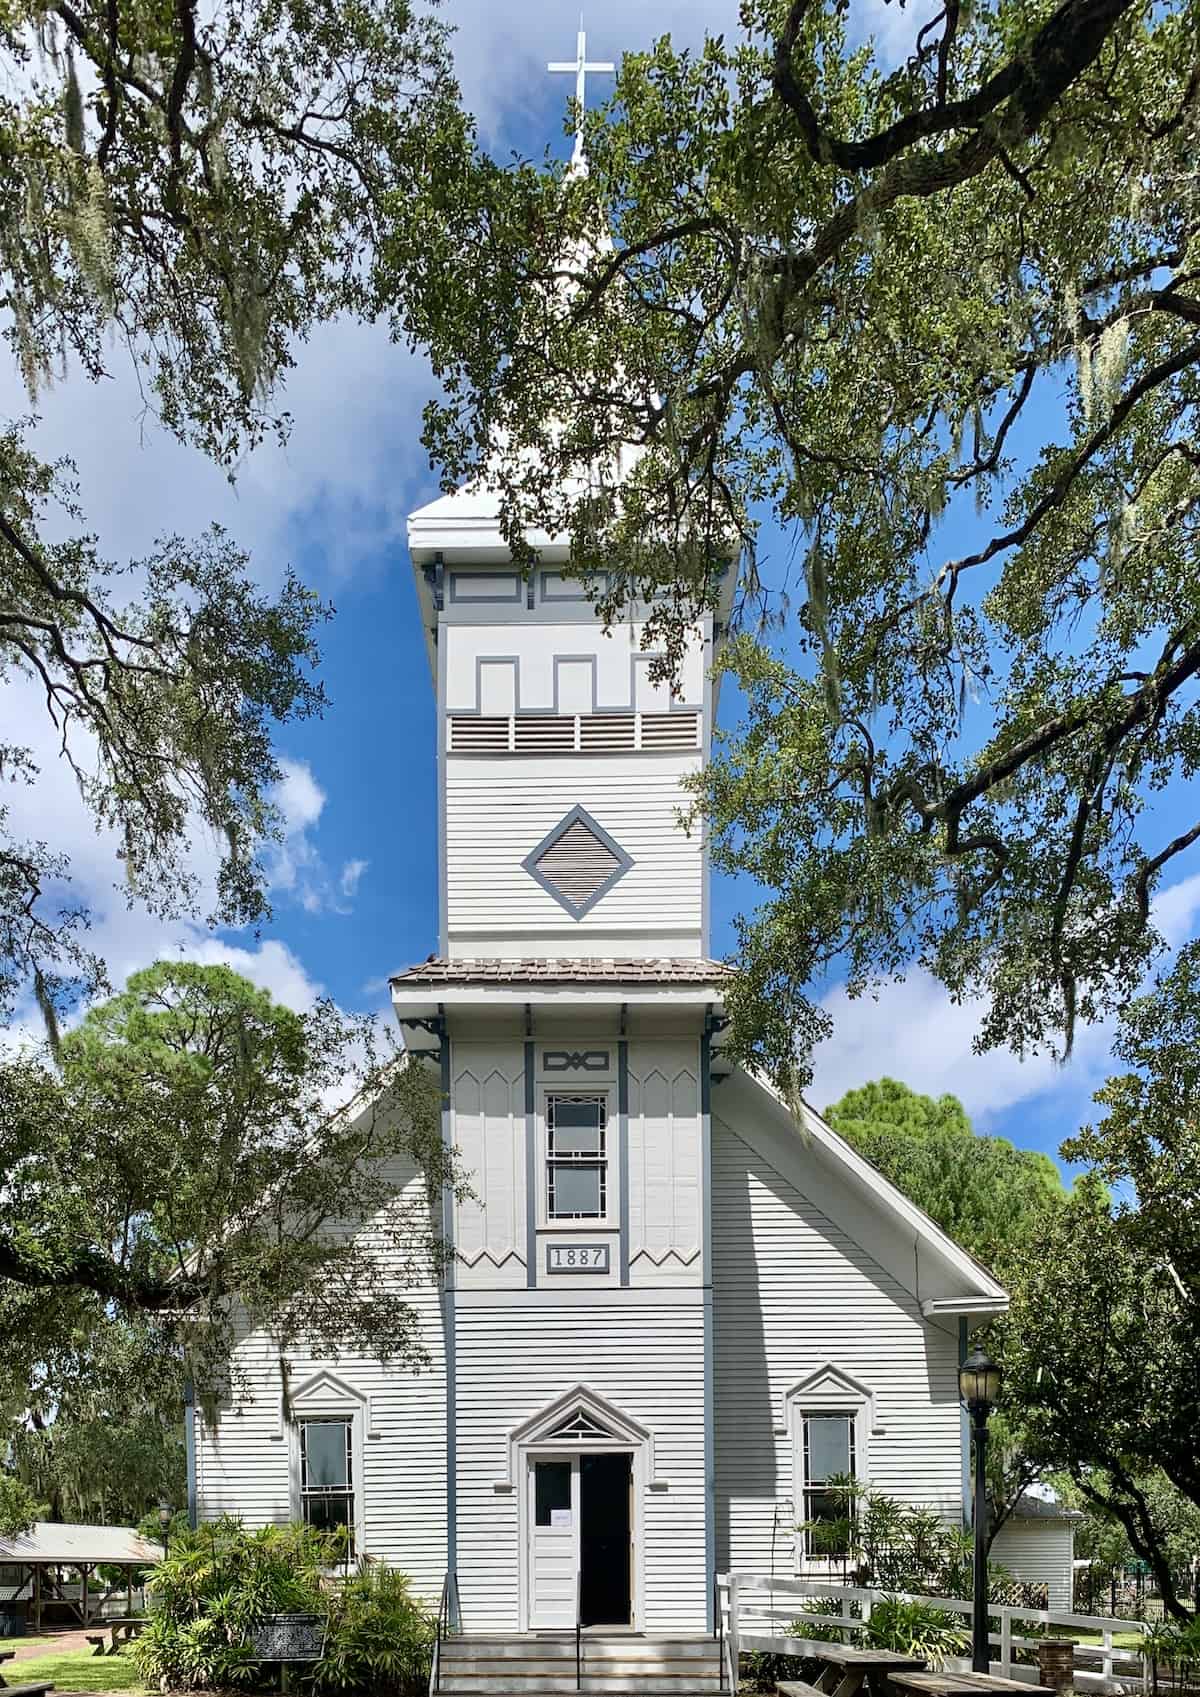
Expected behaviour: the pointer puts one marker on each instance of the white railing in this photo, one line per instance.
(757, 1609)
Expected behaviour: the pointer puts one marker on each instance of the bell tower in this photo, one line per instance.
(561, 758)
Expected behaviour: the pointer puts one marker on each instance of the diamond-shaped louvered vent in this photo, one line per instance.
(577, 863)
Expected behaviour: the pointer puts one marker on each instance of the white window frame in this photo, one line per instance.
(331, 1400)
(828, 1391)
(609, 1131)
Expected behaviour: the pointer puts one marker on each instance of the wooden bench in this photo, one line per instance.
(946, 1683)
(846, 1670)
(96, 1638)
(797, 1688)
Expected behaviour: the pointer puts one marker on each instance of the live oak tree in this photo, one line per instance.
(186, 1173)
(193, 190)
(1104, 1335)
(939, 319)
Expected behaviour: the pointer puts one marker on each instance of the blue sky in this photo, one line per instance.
(354, 886)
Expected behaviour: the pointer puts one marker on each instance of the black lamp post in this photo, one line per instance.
(979, 1387)
(164, 1521)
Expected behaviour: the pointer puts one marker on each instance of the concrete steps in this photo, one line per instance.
(616, 1664)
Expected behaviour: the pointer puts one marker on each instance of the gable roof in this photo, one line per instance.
(950, 1281)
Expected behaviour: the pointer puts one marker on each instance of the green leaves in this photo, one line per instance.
(186, 1174)
(939, 323)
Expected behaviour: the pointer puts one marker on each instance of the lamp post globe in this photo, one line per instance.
(979, 1386)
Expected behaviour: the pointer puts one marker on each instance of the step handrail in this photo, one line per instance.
(579, 1629)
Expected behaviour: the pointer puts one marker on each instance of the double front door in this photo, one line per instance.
(580, 1540)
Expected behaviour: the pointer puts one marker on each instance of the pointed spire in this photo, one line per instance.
(578, 68)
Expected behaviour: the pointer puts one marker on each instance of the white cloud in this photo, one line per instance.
(914, 1032)
(298, 796)
(352, 873)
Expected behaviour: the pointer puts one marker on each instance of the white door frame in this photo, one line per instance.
(556, 1449)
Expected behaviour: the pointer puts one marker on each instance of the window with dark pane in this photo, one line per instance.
(327, 1473)
(829, 1464)
(551, 1489)
(576, 1159)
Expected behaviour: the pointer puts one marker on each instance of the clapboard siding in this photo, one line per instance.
(492, 666)
(647, 1359)
(1039, 1552)
(497, 814)
(792, 1292)
(244, 1458)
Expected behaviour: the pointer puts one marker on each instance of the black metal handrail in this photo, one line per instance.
(441, 1633)
(578, 1629)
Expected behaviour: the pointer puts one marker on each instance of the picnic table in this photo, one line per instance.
(846, 1670)
(5, 1656)
(946, 1683)
(120, 1632)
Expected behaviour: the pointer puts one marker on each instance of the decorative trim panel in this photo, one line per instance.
(577, 862)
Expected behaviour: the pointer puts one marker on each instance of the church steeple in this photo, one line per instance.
(579, 70)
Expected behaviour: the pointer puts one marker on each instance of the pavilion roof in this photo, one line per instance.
(66, 1545)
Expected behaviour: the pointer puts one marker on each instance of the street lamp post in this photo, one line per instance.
(164, 1521)
(979, 1387)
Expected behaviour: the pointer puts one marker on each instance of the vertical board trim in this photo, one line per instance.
(623, 1153)
(706, 1282)
(447, 1294)
(530, 1171)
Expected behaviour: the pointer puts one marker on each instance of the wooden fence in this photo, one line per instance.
(757, 1608)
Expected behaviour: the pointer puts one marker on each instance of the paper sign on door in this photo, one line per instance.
(560, 1519)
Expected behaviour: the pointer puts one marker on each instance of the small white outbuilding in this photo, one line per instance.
(1037, 1546)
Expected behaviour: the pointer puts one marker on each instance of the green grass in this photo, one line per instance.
(1121, 1640)
(76, 1670)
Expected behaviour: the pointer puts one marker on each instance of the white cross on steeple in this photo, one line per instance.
(579, 68)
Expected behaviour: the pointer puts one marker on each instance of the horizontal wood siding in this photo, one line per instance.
(647, 1359)
(1039, 1552)
(792, 1292)
(244, 1459)
(496, 815)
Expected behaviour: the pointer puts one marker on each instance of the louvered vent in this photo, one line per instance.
(671, 730)
(474, 734)
(544, 734)
(577, 863)
(607, 733)
(564, 733)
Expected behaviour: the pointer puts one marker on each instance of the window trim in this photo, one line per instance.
(827, 1391)
(331, 1401)
(601, 1161)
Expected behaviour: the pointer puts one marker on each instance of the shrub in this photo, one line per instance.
(378, 1638)
(916, 1629)
(802, 1627)
(220, 1582)
(212, 1590)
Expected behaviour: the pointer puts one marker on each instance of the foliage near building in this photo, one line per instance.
(220, 1583)
(179, 188)
(864, 298)
(183, 1172)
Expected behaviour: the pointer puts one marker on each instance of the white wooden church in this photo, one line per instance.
(674, 1310)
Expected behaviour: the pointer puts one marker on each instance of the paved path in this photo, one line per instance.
(51, 1644)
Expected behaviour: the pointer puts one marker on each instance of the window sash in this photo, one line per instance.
(825, 1504)
(576, 1145)
(330, 1503)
